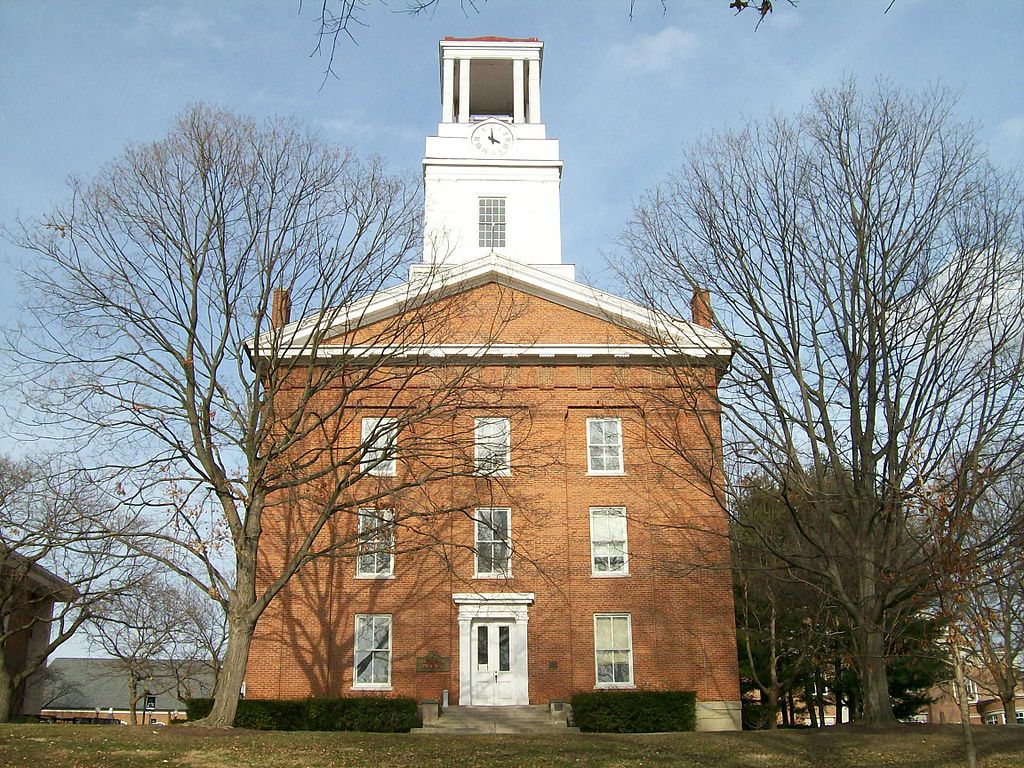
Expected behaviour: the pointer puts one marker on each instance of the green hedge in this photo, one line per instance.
(635, 711)
(375, 714)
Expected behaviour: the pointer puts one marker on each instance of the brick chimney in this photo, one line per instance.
(700, 306)
(281, 308)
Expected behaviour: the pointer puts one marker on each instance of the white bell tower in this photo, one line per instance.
(491, 175)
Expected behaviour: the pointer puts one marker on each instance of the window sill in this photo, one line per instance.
(607, 686)
(617, 473)
(609, 575)
(375, 576)
(484, 474)
(492, 576)
(371, 687)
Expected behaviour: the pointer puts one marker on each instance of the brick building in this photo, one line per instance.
(582, 547)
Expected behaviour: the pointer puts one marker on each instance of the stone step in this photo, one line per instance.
(496, 720)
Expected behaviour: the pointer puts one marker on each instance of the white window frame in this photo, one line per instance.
(609, 512)
(590, 446)
(629, 634)
(389, 434)
(972, 690)
(356, 650)
(477, 524)
(384, 523)
(994, 718)
(483, 441)
(485, 237)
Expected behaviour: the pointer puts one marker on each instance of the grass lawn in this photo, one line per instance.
(917, 746)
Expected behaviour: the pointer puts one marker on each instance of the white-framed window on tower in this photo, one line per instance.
(608, 541)
(492, 446)
(492, 222)
(372, 651)
(613, 650)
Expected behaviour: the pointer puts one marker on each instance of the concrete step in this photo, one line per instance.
(495, 720)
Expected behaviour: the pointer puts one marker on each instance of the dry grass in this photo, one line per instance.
(83, 746)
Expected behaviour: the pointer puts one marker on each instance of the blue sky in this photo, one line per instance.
(78, 80)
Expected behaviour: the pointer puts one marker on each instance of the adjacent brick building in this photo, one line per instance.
(582, 544)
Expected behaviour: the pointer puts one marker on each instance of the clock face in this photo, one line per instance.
(492, 139)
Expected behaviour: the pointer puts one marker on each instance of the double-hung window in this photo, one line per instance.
(493, 541)
(604, 446)
(492, 222)
(373, 651)
(492, 446)
(379, 439)
(376, 542)
(608, 541)
(613, 650)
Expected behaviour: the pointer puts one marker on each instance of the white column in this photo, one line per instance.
(448, 91)
(463, 90)
(518, 92)
(534, 90)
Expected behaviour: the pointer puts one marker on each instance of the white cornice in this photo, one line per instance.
(492, 598)
(682, 338)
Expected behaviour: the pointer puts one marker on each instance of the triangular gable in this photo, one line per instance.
(610, 319)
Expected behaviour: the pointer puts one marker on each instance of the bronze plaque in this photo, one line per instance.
(433, 662)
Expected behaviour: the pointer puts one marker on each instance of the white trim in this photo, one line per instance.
(477, 573)
(621, 470)
(389, 431)
(505, 471)
(631, 683)
(356, 685)
(625, 545)
(493, 598)
(494, 605)
(689, 340)
(379, 514)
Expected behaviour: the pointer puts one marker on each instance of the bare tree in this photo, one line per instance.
(162, 292)
(149, 634)
(866, 259)
(56, 564)
(990, 611)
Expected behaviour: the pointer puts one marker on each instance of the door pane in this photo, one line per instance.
(503, 649)
(481, 645)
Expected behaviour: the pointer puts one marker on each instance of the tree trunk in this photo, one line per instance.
(133, 698)
(232, 674)
(6, 695)
(773, 709)
(874, 678)
(839, 691)
(1009, 706)
(965, 709)
(812, 716)
(819, 691)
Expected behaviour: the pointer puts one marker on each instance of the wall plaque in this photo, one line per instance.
(433, 662)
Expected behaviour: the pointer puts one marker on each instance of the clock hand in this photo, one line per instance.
(491, 137)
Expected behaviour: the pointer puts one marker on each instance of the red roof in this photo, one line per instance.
(491, 39)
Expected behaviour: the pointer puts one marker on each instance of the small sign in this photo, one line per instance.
(433, 662)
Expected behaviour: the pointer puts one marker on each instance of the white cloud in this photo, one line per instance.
(1008, 140)
(344, 126)
(182, 24)
(658, 52)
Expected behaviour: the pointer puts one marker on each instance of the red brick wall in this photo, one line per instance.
(678, 591)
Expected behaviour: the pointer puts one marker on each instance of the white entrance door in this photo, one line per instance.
(494, 682)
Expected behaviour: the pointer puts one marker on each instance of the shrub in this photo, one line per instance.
(635, 711)
(356, 714)
(197, 709)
